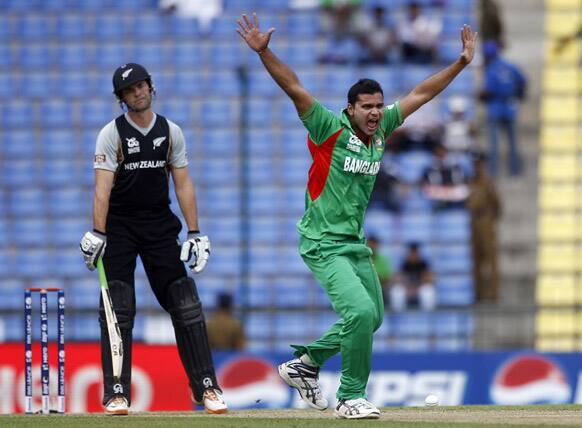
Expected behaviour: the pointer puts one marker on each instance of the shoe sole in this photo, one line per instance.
(368, 416)
(120, 412)
(216, 412)
(289, 381)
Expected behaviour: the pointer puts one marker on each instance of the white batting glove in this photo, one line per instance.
(92, 246)
(195, 251)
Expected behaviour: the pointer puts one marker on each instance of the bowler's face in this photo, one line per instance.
(367, 112)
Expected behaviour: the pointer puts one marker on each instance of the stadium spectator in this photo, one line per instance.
(205, 11)
(484, 204)
(458, 131)
(445, 183)
(505, 87)
(225, 331)
(490, 23)
(343, 23)
(381, 264)
(419, 35)
(346, 154)
(413, 284)
(379, 41)
(135, 155)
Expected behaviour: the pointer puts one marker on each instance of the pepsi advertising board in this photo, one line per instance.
(252, 381)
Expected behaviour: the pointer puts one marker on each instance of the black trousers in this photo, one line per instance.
(154, 238)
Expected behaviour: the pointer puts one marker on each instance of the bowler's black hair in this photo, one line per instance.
(363, 86)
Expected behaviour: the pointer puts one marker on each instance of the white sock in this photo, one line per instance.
(306, 360)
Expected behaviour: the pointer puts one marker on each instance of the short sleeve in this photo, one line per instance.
(392, 118)
(320, 122)
(178, 156)
(106, 148)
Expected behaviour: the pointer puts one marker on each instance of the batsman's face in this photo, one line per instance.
(138, 96)
(367, 113)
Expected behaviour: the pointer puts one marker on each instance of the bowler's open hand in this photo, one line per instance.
(251, 33)
(469, 39)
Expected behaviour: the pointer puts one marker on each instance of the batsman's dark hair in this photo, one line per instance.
(363, 86)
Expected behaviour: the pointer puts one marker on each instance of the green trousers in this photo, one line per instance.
(346, 272)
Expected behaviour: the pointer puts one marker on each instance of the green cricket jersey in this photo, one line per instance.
(343, 173)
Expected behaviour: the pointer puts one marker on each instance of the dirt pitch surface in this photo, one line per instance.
(409, 417)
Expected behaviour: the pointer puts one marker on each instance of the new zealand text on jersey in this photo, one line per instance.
(359, 166)
(145, 164)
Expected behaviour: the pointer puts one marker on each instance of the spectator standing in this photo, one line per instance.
(484, 205)
(413, 286)
(225, 331)
(505, 87)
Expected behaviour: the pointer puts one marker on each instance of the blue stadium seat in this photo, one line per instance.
(33, 26)
(178, 110)
(295, 171)
(11, 294)
(225, 55)
(294, 141)
(417, 227)
(17, 113)
(180, 27)
(225, 259)
(261, 141)
(294, 199)
(413, 74)
(67, 231)
(58, 144)
(60, 172)
(56, 113)
(8, 56)
(5, 232)
(218, 112)
(9, 84)
(97, 112)
(259, 325)
(26, 201)
(452, 226)
(109, 56)
(382, 224)
(221, 83)
(288, 113)
(263, 260)
(260, 294)
(451, 323)
(83, 293)
(149, 26)
(7, 24)
(455, 290)
(264, 230)
(7, 262)
(29, 232)
(453, 22)
(68, 263)
(292, 293)
(111, 26)
(68, 201)
(337, 81)
(220, 172)
(34, 263)
(73, 26)
(219, 141)
(411, 165)
(261, 171)
(290, 262)
(302, 54)
(35, 56)
(84, 328)
(265, 200)
(38, 84)
(75, 56)
(144, 296)
(154, 55)
(223, 230)
(17, 144)
(294, 326)
(260, 113)
(22, 172)
(303, 24)
(453, 259)
(261, 84)
(188, 83)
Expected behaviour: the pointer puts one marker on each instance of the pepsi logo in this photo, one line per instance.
(252, 382)
(530, 379)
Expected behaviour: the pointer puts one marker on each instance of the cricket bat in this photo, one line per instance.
(113, 330)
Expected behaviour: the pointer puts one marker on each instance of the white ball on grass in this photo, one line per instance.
(431, 400)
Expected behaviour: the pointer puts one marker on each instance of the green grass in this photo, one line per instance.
(438, 417)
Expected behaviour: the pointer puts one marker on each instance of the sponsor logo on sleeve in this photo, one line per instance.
(100, 158)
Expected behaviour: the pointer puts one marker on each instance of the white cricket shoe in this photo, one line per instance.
(358, 408)
(213, 401)
(117, 406)
(304, 378)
